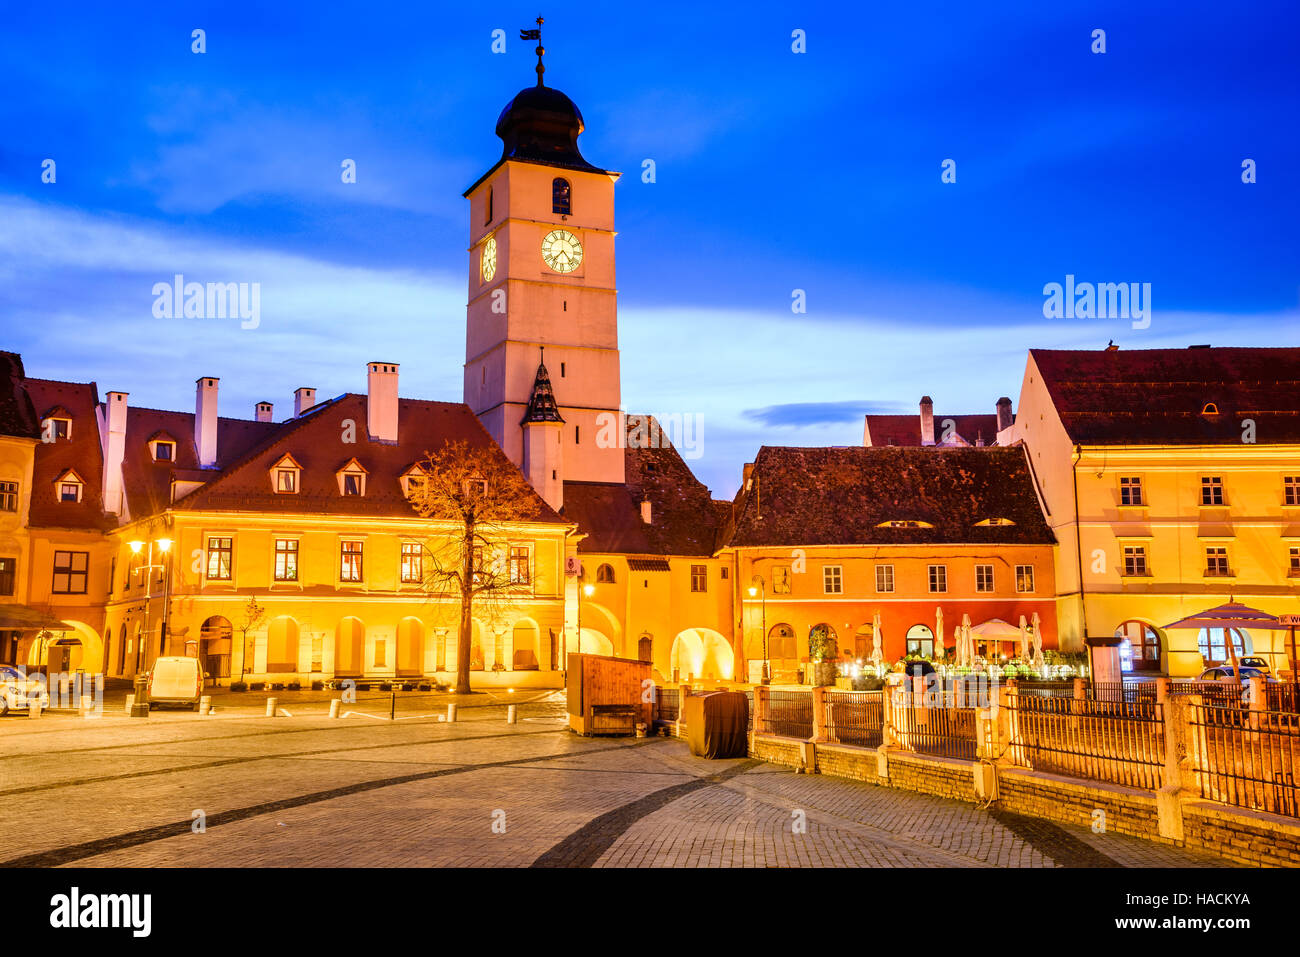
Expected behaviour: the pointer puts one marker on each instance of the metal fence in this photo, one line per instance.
(1047, 689)
(1247, 758)
(1222, 694)
(667, 703)
(1119, 742)
(1283, 696)
(855, 717)
(933, 724)
(789, 713)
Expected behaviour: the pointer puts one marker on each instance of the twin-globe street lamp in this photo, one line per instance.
(140, 705)
(761, 589)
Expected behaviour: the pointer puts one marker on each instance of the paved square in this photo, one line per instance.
(237, 789)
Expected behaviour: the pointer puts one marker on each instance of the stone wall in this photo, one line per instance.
(1246, 837)
(1055, 798)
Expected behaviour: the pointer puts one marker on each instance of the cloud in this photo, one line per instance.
(817, 413)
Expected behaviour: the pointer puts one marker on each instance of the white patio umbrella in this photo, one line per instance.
(1038, 643)
(967, 647)
(876, 654)
(938, 633)
(1024, 639)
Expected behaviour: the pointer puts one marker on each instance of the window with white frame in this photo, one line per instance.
(286, 559)
(938, 578)
(832, 579)
(781, 579)
(1024, 578)
(1135, 561)
(1211, 490)
(1291, 490)
(8, 496)
(984, 578)
(412, 563)
(1216, 562)
(221, 555)
(884, 578)
(350, 561)
(1130, 490)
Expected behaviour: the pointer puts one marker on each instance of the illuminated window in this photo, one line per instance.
(1130, 490)
(699, 578)
(884, 578)
(56, 428)
(984, 578)
(1213, 644)
(1211, 490)
(938, 578)
(1294, 568)
(1216, 562)
(1135, 561)
(561, 196)
(286, 559)
(832, 579)
(352, 479)
(350, 567)
(781, 580)
(70, 573)
(412, 563)
(1291, 490)
(221, 552)
(8, 496)
(286, 480)
(8, 574)
(164, 451)
(520, 569)
(1024, 578)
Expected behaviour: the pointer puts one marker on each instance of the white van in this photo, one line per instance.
(176, 680)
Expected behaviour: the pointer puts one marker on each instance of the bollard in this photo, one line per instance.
(392, 706)
(334, 708)
(271, 704)
(451, 713)
(34, 708)
(205, 704)
(130, 703)
(512, 713)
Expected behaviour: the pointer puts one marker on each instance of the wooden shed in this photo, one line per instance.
(608, 695)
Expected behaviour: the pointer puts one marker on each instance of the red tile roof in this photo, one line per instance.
(1156, 396)
(81, 452)
(17, 414)
(839, 496)
(905, 430)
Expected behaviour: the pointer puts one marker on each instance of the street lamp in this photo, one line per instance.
(140, 707)
(762, 590)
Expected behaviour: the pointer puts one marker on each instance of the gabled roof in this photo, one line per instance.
(905, 430)
(684, 519)
(840, 496)
(17, 414)
(315, 441)
(1156, 396)
(80, 453)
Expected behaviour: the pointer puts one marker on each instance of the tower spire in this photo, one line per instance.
(541, 50)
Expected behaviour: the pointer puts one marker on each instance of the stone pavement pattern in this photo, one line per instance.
(308, 791)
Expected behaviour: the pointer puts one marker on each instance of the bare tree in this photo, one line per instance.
(478, 493)
(253, 615)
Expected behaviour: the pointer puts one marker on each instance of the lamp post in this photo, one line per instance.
(140, 706)
(762, 590)
(583, 589)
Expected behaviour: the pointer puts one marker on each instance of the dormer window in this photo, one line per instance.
(996, 520)
(1210, 409)
(69, 486)
(162, 447)
(904, 523)
(57, 424)
(285, 475)
(352, 479)
(412, 481)
(475, 488)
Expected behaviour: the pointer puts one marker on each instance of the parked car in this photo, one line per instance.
(1256, 662)
(18, 690)
(176, 681)
(1220, 672)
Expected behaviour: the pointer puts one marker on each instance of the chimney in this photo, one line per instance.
(114, 449)
(264, 412)
(747, 475)
(303, 399)
(205, 421)
(381, 402)
(927, 420)
(1004, 413)
(645, 511)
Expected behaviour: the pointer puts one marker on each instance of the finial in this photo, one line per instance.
(542, 360)
(541, 50)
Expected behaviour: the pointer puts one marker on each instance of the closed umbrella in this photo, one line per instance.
(968, 651)
(1038, 643)
(876, 654)
(1024, 639)
(938, 633)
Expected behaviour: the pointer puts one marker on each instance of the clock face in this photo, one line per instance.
(561, 250)
(489, 259)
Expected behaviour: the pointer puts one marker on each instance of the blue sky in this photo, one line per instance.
(776, 171)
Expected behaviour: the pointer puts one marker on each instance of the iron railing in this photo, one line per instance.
(1247, 758)
(933, 724)
(789, 713)
(1119, 742)
(854, 717)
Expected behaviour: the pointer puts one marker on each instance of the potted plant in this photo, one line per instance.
(823, 650)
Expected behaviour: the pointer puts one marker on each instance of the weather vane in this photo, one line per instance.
(541, 50)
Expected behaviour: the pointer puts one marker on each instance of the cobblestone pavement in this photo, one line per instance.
(239, 790)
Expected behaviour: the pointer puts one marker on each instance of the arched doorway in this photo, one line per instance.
(282, 645)
(920, 641)
(410, 646)
(782, 652)
(349, 647)
(215, 640)
(1139, 646)
(525, 643)
(687, 657)
(709, 653)
(863, 641)
(822, 636)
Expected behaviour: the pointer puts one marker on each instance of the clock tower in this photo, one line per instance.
(541, 277)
